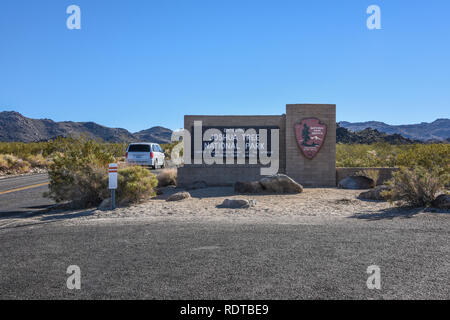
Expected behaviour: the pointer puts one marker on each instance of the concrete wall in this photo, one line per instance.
(384, 173)
(321, 170)
(217, 175)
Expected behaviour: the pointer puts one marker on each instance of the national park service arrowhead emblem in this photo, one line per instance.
(310, 134)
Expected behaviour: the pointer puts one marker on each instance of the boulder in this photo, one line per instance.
(356, 183)
(237, 203)
(248, 187)
(179, 196)
(105, 205)
(374, 194)
(280, 183)
(442, 201)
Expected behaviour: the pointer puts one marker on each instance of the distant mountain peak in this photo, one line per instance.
(16, 127)
(438, 130)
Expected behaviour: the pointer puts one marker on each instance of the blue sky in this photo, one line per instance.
(136, 64)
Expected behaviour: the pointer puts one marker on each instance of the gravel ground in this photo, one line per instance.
(205, 203)
(314, 245)
(167, 257)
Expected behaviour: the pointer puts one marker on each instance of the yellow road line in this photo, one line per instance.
(24, 188)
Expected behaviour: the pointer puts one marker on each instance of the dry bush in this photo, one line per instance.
(416, 187)
(3, 163)
(167, 177)
(37, 161)
(135, 184)
(10, 164)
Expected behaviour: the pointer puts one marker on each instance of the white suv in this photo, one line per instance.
(145, 154)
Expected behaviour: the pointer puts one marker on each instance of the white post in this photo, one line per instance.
(112, 175)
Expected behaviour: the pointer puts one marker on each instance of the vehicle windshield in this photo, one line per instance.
(139, 148)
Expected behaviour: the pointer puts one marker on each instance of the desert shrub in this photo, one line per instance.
(78, 174)
(135, 184)
(10, 164)
(370, 173)
(361, 155)
(385, 155)
(3, 163)
(37, 161)
(167, 177)
(429, 156)
(416, 187)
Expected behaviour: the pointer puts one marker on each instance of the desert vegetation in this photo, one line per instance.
(20, 157)
(417, 187)
(386, 155)
(424, 169)
(78, 176)
(77, 169)
(40, 154)
(168, 177)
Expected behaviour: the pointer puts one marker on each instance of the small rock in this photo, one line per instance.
(442, 201)
(356, 182)
(248, 187)
(105, 205)
(252, 202)
(374, 194)
(237, 203)
(179, 196)
(280, 183)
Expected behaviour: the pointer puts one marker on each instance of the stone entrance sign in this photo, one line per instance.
(301, 143)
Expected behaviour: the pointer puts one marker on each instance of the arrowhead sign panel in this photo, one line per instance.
(310, 134)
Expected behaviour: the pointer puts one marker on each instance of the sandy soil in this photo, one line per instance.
(318, 202)
(314, 205)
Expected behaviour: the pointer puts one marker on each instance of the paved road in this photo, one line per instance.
(171, 259)
(22, 195)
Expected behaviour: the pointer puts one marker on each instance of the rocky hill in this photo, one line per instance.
(16, 127)
(438, 130)
(369, 136)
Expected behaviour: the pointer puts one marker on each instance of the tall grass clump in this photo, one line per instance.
(10, 164)
(167, 177)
